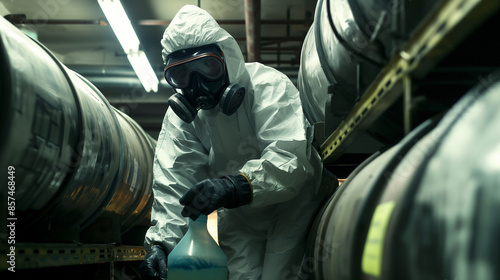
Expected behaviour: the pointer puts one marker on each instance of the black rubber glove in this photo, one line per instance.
(211, 194)
(154, 266)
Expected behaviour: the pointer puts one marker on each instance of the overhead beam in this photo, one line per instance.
(21, 19)
(306, 22)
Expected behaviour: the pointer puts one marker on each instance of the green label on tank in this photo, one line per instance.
(372, 255)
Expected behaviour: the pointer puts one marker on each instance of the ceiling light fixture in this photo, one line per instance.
(120, 23)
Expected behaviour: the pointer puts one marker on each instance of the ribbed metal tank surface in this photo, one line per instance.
(347, 46)
(423, 209)
(76, 158)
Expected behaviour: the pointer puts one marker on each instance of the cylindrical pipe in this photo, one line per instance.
(445, 199)
(347, 34)
(252, 27)
(75, 157)
(336, 239)
(423, 209)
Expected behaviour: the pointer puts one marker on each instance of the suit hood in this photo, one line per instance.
(194, 27)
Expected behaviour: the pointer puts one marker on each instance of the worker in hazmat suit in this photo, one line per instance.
(234, 139)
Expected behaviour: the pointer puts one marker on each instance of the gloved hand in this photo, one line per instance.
(154, 266)
(211, 194)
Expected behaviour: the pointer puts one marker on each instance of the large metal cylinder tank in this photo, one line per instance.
(445, 197)
(348, 44)
(423, 209)
(74, 156)
(338, 234)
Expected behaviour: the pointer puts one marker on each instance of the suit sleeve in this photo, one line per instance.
(284, 136)
(180, 162)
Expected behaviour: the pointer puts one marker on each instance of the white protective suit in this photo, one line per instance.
(268, 139)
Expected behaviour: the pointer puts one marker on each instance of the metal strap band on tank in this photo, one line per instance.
(319, 45)
(119, 174)
(344, 43)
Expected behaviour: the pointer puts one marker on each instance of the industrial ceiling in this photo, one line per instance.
(78, 34)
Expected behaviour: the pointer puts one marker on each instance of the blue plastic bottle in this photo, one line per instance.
(197, 256)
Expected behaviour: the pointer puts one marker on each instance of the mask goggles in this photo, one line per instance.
(201, 76)
(179, 73)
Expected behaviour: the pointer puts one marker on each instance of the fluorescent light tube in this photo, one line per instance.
(144, 71)
(118, 19)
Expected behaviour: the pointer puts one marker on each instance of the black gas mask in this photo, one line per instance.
(201, 76)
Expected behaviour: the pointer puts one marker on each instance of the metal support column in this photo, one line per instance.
(252, 25)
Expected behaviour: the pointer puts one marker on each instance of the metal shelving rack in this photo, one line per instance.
(39, 255)
(435, 37)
